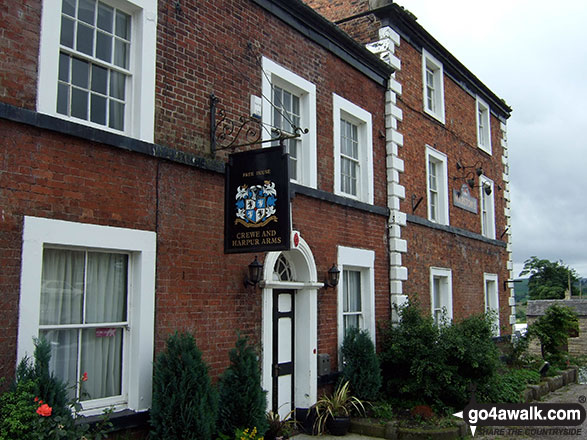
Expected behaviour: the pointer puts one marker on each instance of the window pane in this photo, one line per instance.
(79, 103)
(80, 73)
(63, 67)
(102, 360)
(66, 32)
(99, 80)
(121, 54)
(105, 17)
(116, 119)
(104, 47)
(351, 321)
(106, 287)
(62, 283)
(122, 25)
(62, 99)
(85, 39)
(86, 11)
(68, 7)
(64, 355)
(117, 85)
(98, 109)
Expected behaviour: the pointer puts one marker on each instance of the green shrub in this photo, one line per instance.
(552, 330)
(507, 387)
(184, 401)
(37, 407)
(411, 358)
(243, 402)
(360, 364)
(439, 366)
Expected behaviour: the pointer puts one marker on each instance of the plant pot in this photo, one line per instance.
(338, 425)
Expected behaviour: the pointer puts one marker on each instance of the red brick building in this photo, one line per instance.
(112, 200)
(448, 174)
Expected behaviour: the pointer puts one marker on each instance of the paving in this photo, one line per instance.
(349, 436)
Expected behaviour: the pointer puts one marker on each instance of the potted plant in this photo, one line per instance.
(280, 428)
(333, 411)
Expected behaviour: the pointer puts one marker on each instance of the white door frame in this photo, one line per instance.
(306, 322)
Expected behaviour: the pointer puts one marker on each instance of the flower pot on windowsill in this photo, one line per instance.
(338, 426)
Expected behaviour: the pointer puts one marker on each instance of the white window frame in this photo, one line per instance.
(344, 109)
(140, 100)
(446, 301)
(490, 279)
(483, 118)
(428, 61)
(442, 175)
(139, 339)
(273, 73)
(363, 261)
(487, 203)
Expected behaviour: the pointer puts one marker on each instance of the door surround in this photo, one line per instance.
(306, 288)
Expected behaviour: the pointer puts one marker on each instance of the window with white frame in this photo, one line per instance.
(437, 186)
(441, 294)
(97, 64)
(89, 290)
(487, 207)
(492, 299)
(356, 290)
(289, 101)
(353, 150)
(433, 86)
(483, 126)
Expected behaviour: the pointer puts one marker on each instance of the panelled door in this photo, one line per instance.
(283, 351)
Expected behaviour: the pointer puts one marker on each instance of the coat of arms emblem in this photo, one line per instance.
(255, 205)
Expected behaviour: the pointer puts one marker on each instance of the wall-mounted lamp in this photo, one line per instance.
(254, 276)
(478, 168)
(332, 279)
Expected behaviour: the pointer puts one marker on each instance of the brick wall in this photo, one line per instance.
(202, 48)
(19, 46)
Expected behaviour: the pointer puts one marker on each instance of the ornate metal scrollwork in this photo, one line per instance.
(227, 133)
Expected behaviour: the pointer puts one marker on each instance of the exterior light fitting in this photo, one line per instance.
(254, 276)
(332, 278)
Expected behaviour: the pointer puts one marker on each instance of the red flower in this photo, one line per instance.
(85, 377)
(36, 399)
(44, 410)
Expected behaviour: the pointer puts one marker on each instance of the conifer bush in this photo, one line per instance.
(184, 401)
(242, 401)
(360, 365)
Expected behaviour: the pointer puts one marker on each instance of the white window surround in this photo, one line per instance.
(273, 73)
(139, 345)
(140, 108)
(445, 276)
(483, 118)
(362, 260)
(487, 208)
(442, 216)
(491, 298)
(345, 109)
(429, 62)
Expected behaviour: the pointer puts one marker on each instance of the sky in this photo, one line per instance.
(532, 54)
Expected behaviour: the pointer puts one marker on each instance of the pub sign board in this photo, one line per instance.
(257, 201)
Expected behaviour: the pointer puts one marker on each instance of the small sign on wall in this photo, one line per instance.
(257, 199)
(462, 199)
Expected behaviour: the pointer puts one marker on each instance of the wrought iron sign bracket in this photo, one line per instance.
(226, 133)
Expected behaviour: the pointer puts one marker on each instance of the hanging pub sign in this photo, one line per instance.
(256, 203)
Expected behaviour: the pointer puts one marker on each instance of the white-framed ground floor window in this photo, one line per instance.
(89, 290)
(491, 294)
(356, 291)
(441, 294)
